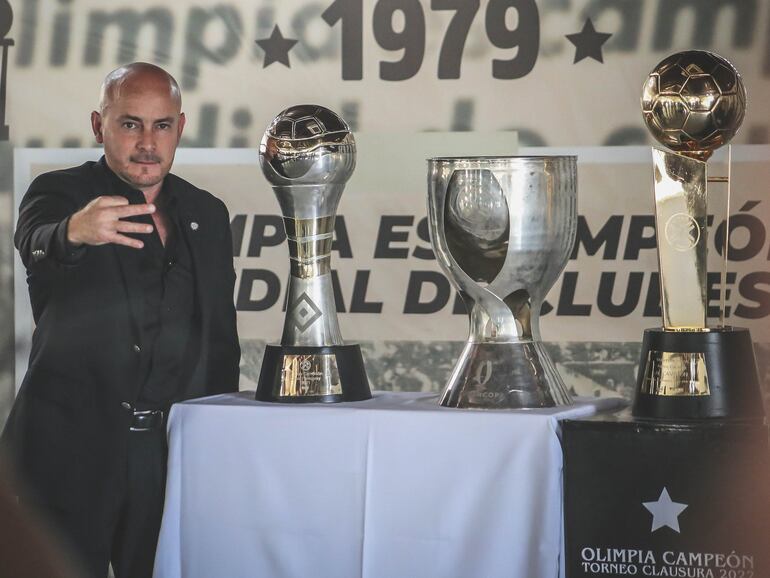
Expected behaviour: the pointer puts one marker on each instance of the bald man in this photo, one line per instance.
(130, 276)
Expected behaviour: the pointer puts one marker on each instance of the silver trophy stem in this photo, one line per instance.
(310, 201)
(311, 317)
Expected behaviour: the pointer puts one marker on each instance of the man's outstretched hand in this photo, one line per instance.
(100, 222)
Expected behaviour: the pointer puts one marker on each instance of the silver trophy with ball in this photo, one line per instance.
(502, 229)
(308, 154)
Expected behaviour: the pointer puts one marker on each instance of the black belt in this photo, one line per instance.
(147, 419)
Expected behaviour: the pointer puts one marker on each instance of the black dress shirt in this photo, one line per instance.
(168, 284)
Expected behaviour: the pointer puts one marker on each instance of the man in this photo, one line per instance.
(131, 278)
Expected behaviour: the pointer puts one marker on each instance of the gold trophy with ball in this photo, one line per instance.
(693, 102)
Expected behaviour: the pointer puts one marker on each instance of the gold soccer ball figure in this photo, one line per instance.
(694, 102)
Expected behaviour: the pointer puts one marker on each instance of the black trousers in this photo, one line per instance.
(131, 535)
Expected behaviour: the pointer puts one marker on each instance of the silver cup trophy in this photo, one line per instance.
(502, 229)
(307, 154)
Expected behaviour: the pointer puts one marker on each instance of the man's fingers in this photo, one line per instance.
(119, 239)
(111, 201)
(133, 210)
(129, 227)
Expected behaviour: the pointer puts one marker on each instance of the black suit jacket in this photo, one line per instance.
(69, 425)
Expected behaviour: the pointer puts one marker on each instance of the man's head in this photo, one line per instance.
(140, 123)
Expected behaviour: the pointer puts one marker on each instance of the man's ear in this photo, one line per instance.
(96, 126)
(180, 127)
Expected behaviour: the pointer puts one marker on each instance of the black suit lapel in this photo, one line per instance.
(193, 231)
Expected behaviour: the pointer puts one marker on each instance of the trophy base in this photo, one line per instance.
(698, 375)
(312, 374)
(505, 376)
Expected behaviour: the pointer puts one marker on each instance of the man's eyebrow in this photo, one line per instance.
(168, 119)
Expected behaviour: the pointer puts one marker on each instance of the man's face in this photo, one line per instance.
(140, 127)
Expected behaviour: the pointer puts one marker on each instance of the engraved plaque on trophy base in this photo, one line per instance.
(692, 375)
(293, 374)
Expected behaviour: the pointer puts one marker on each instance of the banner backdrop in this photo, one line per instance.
(556, 72)
(561, 72)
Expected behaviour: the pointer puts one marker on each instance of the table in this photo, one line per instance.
(392, 487)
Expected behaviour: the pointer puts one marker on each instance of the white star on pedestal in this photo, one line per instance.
(665, 512)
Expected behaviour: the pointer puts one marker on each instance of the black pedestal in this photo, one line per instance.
(727, 357)
(659, 499)
(346, 360)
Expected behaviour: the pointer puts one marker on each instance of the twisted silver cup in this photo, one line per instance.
(502, 229)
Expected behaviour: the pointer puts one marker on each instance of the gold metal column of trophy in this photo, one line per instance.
(307, 154)
(693, 102)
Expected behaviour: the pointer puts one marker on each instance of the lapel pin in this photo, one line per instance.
(194, 226)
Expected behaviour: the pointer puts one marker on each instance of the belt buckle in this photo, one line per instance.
(146, 415)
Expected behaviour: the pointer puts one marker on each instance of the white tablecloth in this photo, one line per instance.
(393, 487)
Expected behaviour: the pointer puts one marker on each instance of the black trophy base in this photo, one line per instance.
(698, 376)
(645, 498)
(313, 374)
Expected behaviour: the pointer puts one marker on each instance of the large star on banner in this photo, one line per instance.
(276, 48)
(665, 512)
(588, 42)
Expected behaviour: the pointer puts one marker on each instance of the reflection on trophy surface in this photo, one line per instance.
(307, 154)
(502, 229)
(692, 102)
